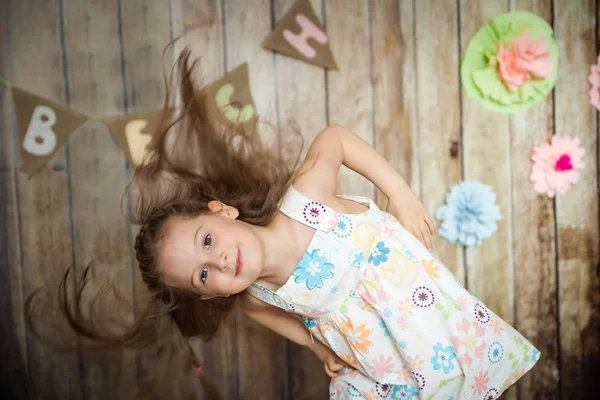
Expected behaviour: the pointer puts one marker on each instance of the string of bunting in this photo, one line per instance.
(44, 126)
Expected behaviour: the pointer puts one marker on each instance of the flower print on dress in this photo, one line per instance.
(431, 268)
(356, 258)
(442, 358)
(481, 381)
(469, 342)
(309, 322)
(353, 391)
(344, 226)
(522, 348)
(358, 336)
(481, 314)
(491, 394)
(404, 392)
(386, 331)
(382, 367)
(312, 212)
(383, 389)
(415, 363)
(313, 269)
(535, 356)
(379, 254)
(423, 297)
(495, 352)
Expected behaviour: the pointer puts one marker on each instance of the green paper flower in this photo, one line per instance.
(480, 68)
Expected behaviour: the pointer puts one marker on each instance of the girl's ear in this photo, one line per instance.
(223, 209)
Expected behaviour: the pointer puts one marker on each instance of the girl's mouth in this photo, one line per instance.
(239, 263)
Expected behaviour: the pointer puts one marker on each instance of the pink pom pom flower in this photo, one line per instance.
(556, 166)
(594, 79)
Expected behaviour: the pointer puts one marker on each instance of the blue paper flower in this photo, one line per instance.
(470, 213)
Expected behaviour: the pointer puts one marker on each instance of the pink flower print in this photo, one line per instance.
(481, 381)
(462, 302)
(382, 366)
(556, 166)
(389, 231)
(406, 307)
(332, 223)
(415, 363)
(469, 343)
(402, 323)
(524, 59)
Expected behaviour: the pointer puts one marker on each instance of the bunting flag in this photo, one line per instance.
(43, 128)
(291, 37)
(133, 133)
(229, 100)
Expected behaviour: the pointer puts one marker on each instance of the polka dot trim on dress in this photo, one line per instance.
(481, 314)
(420, 379)
(423, 297)
(495, 352)
(312, 212)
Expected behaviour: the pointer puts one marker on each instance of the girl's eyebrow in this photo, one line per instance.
(196, 234)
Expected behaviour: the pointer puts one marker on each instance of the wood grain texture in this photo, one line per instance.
(349, 90)
(301, 101)
(577, 211)
(144, 34)
(394, 88)
(536, 308)
(261, 352)
(45, 228)
(438, 124)
(97, 174)
(13, 374)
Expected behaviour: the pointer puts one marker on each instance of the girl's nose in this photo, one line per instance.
(222, 260)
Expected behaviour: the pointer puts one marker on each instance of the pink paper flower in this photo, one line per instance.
(594, 79)
(556, 166)
(524, 59)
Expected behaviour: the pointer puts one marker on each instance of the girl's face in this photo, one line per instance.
(212, 254)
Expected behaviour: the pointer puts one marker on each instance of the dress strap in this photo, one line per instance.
(268, 296)
(307, 211)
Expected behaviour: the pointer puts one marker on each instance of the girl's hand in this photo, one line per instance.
(333, 365)
(413, 216)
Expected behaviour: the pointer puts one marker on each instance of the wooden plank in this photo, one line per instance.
(200, 26)
(145, 31)
(536, 311)
(438, 124)
(97, 174)
(394, 87)
(43, 200)
(301, 99)
(247, 23)
(350, 97)
(577, 211)
(13, 374)
(486, 154)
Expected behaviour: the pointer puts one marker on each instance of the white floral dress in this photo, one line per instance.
(373, 293)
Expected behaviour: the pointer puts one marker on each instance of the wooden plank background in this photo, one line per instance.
(398, 87)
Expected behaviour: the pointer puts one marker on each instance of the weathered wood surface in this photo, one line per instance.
(397, 86)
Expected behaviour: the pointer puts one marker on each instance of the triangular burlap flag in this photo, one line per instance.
(229, 100)
(133, 133)
(43, 127)
(300, 34)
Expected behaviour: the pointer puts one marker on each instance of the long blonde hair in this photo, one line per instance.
(192, 160)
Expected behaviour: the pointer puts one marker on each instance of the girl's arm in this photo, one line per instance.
(335, 146)
(292, 328)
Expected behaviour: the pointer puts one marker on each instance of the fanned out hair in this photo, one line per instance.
(192, 159)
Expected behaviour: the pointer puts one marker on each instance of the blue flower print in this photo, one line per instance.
(404, 392)
(344, 227)
(379, 254)
(386, 331)
(495, 352)
(313, 269)
(356, 257)
(535, 356)
(402, 344)
(387, 313)
(309, 322)
(334, 290)
(442, 358)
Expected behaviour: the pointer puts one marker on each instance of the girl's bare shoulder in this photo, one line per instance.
(317, 180)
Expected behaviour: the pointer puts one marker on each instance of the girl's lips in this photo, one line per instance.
(239, 263)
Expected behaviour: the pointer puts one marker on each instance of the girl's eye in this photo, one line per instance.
(207, 241)
(204, 274)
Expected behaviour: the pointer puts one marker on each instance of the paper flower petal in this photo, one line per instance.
(556, 166)
(532, 38)
(470, 213)
(594, 79)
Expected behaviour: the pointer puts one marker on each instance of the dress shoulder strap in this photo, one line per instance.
(307, 211)
(267, 295)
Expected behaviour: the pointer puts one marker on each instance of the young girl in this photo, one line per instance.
(223, 220)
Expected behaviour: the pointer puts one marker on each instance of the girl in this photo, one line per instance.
(224, 221)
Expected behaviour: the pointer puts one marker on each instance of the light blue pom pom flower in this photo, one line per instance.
(470, 213)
